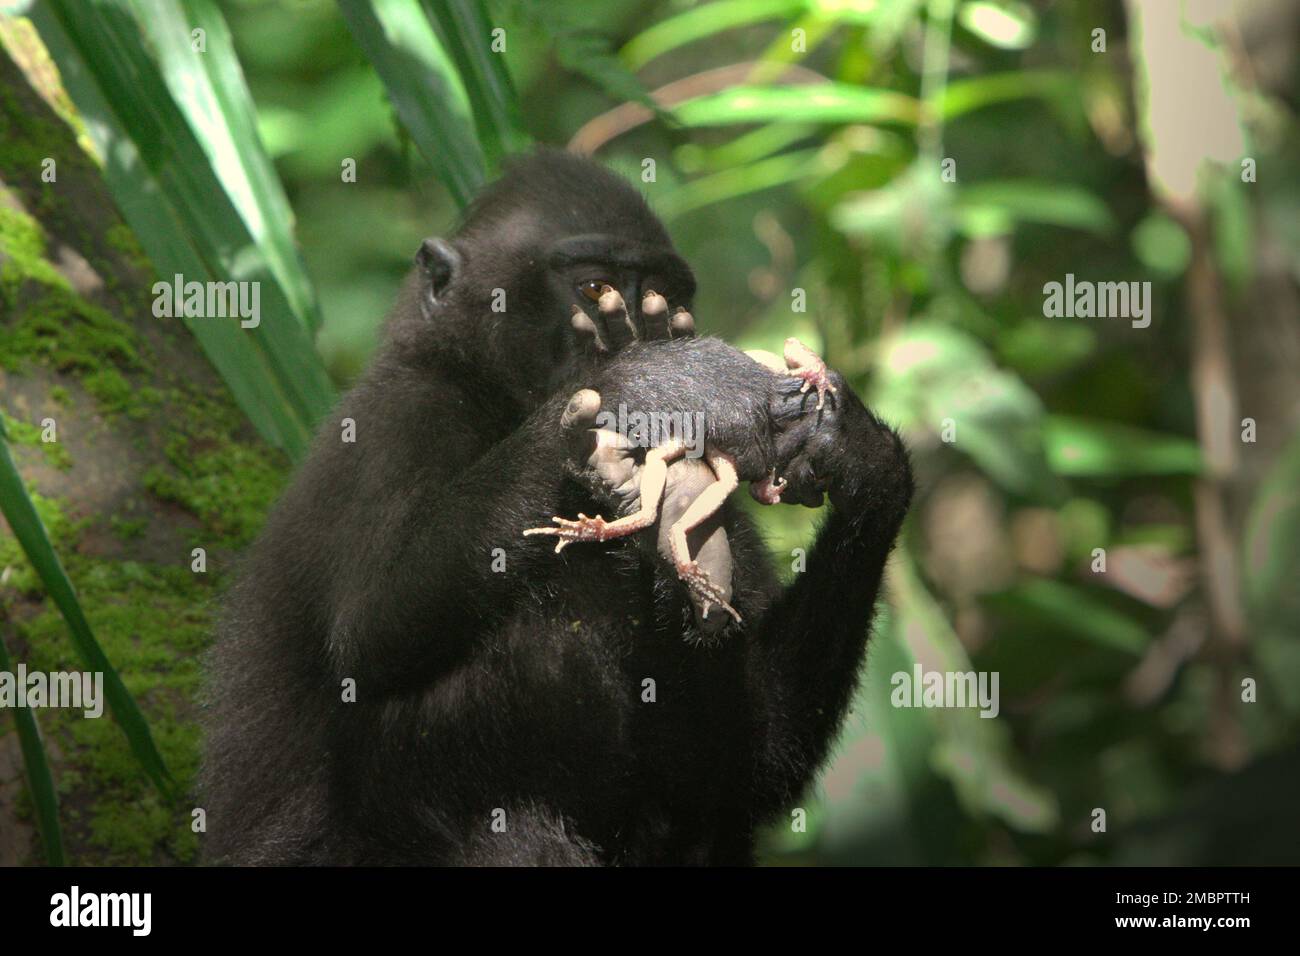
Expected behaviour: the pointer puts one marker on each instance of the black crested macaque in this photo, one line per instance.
(401, 677)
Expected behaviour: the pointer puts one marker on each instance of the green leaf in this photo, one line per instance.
(975, 753)
(1090, 448)
(741, 181)
(1234, 230)
(911, 214)
(965, 96)
(928, 373)
(749, 147)
(27, 528)
(177, 207)
(1162, 245)
(45, 799)
(813, 103)
(1027, 200)
(424, 87)
(466, 34)
(1060, 608)
(703, 21)
(1046, 346)
(592, 56)
(1271, 543)
(209, 89)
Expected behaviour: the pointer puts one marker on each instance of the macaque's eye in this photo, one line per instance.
(591, 288)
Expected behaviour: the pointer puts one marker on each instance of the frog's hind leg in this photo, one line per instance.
(654, 476)
(806, 364)
(705, 504)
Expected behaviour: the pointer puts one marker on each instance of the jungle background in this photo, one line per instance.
(1107, 515)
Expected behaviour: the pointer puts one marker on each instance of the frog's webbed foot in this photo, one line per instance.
(802, 362)
(569, 530)
(703, 588)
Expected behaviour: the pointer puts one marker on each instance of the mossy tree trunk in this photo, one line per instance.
(151, 460)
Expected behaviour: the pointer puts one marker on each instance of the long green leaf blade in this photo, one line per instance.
(164, 185)
(704, 21)
(209, 88)
(424, 87)
(815, 103)
(466, 33)
(44, 797)
(967, 95)
(1029, 200)
(1090, 448)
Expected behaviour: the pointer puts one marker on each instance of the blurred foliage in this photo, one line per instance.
(895, 182)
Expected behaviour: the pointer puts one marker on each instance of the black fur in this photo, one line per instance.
(521, 691)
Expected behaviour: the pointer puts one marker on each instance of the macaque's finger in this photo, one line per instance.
(589, 337)
(802, 486)
(581, 412)
(577, 424)
(682, 325)
(619, 330)
(654, 315)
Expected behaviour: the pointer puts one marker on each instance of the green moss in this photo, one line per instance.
(228, 484)
(21, 433)
(128, 529)
(57, 328)
(28, 137)
(38, 131)
(54, 326)
(115, 394)
(153, 623)
(229, 487)
(24, 249)
(62, 330)
(56, 455)
(120, 237)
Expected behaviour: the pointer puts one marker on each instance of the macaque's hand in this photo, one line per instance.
(614, 325)
(840, 449)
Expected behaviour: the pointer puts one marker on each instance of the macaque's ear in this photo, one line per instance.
(439, 261)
